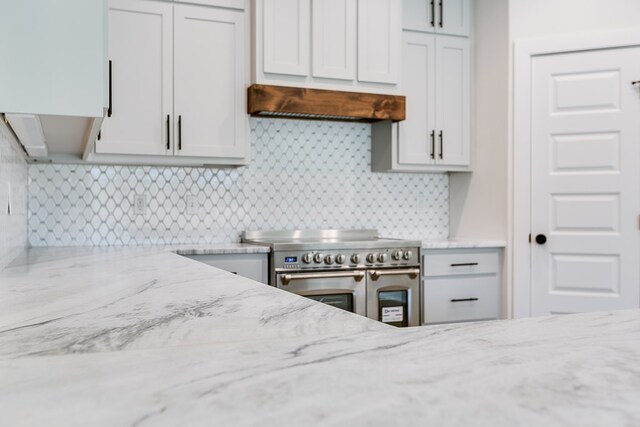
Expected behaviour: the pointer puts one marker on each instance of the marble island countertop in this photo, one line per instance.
(142, 336)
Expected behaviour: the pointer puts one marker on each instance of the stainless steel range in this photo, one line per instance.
(355, 270)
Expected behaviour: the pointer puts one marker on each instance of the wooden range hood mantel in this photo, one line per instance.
(319, 104)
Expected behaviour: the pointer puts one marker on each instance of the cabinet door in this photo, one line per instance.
(416, 142)
(379, 41)
(334, 39)
(286, 31)
(209, 79)
(419, 15)
(141, 85)
(454, 17)
(453, 99)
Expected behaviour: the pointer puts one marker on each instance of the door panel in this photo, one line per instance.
(209, 82)
(455, 16)
(141, 78)
(415, 146)
(453, 98)
(379, 33)
(585, 174)
(334, 39)
(419, 15)
(286, 27)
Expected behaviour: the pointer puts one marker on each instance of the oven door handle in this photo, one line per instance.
(357, 275)
(411, 272)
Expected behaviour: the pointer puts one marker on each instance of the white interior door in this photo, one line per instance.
(140, 50)
(585, 174)
(209, 82)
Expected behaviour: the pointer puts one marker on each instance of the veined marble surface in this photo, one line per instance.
(132, 337)
(462, 244)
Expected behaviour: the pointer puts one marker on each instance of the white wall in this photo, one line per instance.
(478, 201)
(534, 18)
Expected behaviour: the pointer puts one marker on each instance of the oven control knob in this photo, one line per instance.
(371, 258)
(340, 259)
(397, 255)
(355, 258)
(407, 255)
(382, 257)
(317, 258)
(329, 259)
(307, 258)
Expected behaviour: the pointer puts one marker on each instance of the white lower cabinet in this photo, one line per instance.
(461, 285)
(251, 266)
(177, 89)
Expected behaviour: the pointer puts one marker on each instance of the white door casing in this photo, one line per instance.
(209, 107)
(141, 57)
(519, 256)
(584, 181)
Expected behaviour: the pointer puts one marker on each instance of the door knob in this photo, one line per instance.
(541, 239)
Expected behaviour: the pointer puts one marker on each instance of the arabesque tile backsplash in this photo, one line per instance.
(303, 174)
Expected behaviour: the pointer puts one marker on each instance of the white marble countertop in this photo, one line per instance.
(462, 244)
(139, 336)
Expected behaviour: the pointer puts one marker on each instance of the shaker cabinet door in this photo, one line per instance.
(209, 78)
(453, 99)
(334, 33)
(454, 17)
(379, 41)
(417, 132)
(286, 30)
(140, 51)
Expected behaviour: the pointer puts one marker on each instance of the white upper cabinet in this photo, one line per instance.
(334, 39)
(452, 17)
(141, 83)
(209, 82)
(453, 100)
(379, 45)
(351, 45)
(177, 87)
(417, 132)
(286, 26)
(436, 135)
(53, 57)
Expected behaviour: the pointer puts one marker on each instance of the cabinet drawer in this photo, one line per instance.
(461, 299)
(459, 262)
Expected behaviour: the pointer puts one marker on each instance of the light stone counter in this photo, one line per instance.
(136, 337)
(462, 244)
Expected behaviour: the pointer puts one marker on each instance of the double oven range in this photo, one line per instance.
(354, 270)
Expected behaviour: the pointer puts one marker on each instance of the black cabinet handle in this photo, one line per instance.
(433, 13)
(541, 239)
(433, 144)
(440, 135)
(465, 264)
(110, 109)
(464, 299)
(441, 13)
(637, 82)
(168, 131)
(179, 132)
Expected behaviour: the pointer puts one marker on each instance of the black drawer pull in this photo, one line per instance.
(466, 264)
(464, 299)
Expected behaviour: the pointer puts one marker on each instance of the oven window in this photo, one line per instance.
(343, 301)
(393, 308)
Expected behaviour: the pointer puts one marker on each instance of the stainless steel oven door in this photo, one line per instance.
(393, 296)
(341, 289)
